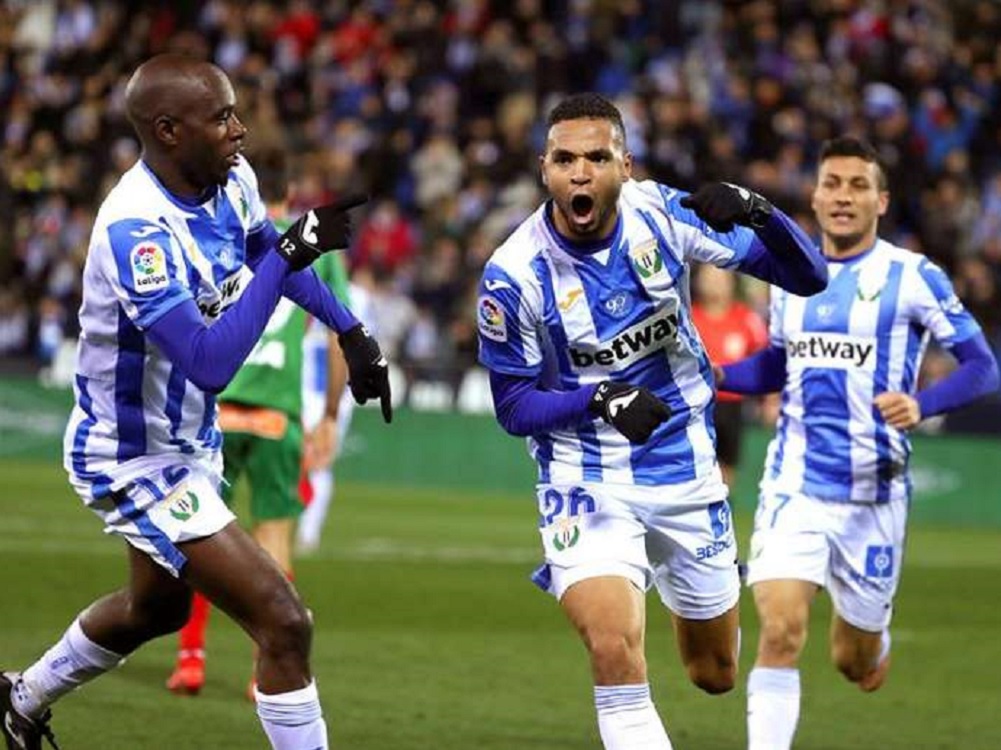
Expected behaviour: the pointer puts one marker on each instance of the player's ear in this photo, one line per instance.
(542, 170)
(165, 128)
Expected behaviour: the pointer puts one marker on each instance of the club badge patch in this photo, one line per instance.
(490, 320)
(149, 267)
(646, 259)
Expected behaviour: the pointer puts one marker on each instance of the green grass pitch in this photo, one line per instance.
(429, 636)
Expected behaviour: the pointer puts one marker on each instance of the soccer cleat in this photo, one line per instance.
(20, 732)
(875, 679)
(188, 677)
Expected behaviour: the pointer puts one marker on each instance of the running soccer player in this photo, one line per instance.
(835, 490)
(169, 313)
(585, 326)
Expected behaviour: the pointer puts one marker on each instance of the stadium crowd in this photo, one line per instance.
(432, 108)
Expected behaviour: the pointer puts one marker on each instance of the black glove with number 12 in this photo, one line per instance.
(319, 230)
(632, 410)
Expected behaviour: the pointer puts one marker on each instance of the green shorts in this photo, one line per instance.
(272, 465)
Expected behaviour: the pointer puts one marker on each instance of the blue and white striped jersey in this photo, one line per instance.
(864, 335)
(149, 251)
(621, 312)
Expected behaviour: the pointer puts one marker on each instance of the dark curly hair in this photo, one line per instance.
(588, 106)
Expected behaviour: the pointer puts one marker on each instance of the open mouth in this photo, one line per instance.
(582, 207)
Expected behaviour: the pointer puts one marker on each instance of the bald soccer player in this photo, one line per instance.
(183, 273)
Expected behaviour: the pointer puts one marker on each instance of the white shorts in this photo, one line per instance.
(855, 550)
(156, 511)
(676, 537)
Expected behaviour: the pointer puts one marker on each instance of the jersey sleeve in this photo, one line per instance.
(144, 273)
(509, 339)
(937, 307)
(700, 241)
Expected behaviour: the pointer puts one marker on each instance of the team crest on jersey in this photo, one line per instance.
(869, 286)
(490, 319)
(646, 259)
(149, 267)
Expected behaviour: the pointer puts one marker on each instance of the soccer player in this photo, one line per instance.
(730, 330)
(262, 416)
(170, 311)
(835, 489)
(585, 326)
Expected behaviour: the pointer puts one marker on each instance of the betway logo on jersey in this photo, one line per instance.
(230, 289)
(836, 351)
(649, 335)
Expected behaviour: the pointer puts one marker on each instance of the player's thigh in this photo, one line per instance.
(588, 531)
(693, 551)
(866, 558)
(606, 607)
(712, 641)
(273, 472)
(790, 540)
(784, 603)
(241, 578)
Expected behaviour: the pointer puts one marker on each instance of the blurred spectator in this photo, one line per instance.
(431, 107)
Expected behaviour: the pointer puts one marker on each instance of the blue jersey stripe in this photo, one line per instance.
(128, 390)
(147, 528)
(176, 386)
(672, 457)
(825, 395)
(78, 456)
(884, 331)
(909, 377)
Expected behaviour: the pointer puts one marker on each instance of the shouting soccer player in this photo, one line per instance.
(169, 313)
(585, 326)
(835, 490)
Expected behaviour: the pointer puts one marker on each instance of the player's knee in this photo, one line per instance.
(161, 615)
(782, 637)
(289, 630)
(849, 663)
(615, 657)
(714, 675)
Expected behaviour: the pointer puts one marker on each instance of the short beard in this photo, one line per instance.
(847, 241)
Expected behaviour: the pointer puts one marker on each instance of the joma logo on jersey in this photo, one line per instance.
(229, 292)
(833, 350)
(647, 336)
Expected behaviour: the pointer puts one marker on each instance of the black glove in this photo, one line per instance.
(318, 231)
(368, 371)
(632, 410)
(723, 204)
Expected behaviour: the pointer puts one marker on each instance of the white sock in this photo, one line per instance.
(772, 708)
(310, 525)
(293, 720)
(72, 661)
(627, 718)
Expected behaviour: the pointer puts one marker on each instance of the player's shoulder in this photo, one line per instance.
(136, 195)
(515, 257)
(651, 195)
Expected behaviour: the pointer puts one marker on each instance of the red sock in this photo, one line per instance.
(192, 635)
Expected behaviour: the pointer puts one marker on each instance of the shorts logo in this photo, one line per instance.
(149, 267)
(491, 320)
(567, 531)
(183, 507)
(879, 561)
(719, 518)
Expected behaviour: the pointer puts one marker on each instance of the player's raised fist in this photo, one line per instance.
(632, 410)
(319, 230)
(723, 204)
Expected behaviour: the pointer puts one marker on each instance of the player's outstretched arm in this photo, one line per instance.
(762, 372)
(781, 252)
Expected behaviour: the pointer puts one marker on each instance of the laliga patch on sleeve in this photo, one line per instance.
(149, 267)
(490, 320)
